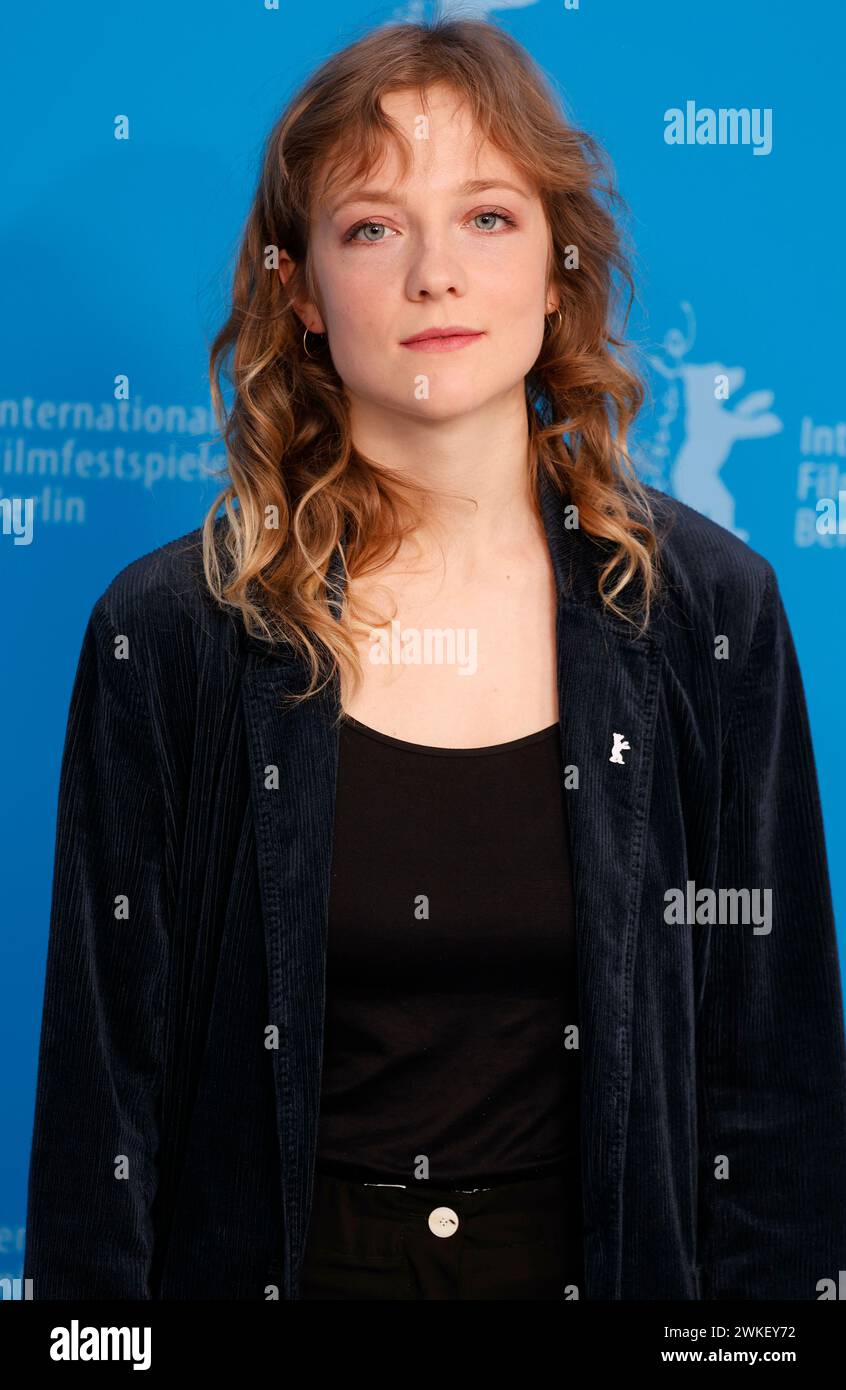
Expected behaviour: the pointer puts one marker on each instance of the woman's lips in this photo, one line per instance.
(450, 343)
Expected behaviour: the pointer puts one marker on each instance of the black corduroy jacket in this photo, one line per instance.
(173, 1147)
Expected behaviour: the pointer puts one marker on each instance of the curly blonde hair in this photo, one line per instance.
(300, 484)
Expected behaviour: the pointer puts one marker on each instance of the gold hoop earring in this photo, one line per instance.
(305, 345)
(560, 316)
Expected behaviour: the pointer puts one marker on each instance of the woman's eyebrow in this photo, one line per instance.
(391, 195)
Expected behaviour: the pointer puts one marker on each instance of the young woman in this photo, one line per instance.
(441, 904)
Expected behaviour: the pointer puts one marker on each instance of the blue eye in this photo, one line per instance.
(360, 227)
(493, 213)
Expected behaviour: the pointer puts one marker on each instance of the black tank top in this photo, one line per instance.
(451, 969)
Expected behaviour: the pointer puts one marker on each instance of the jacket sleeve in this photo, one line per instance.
(770, 1031)
(93, 1174)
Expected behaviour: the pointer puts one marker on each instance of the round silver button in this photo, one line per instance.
(443, 1221)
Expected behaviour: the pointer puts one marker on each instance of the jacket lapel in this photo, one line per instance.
(293, 825)
(608, 685)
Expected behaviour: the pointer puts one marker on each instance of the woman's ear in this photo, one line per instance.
(305, 310)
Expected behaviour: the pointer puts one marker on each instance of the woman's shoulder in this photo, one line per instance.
(162, 599)
(700, 547)
(710, 573)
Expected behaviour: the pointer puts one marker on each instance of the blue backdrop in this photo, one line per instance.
(116, 264)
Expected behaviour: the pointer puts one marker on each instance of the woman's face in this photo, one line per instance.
(432, 253)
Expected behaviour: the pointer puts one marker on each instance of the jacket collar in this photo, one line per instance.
(608, 684)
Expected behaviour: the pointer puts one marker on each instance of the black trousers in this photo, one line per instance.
(517, 1240)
